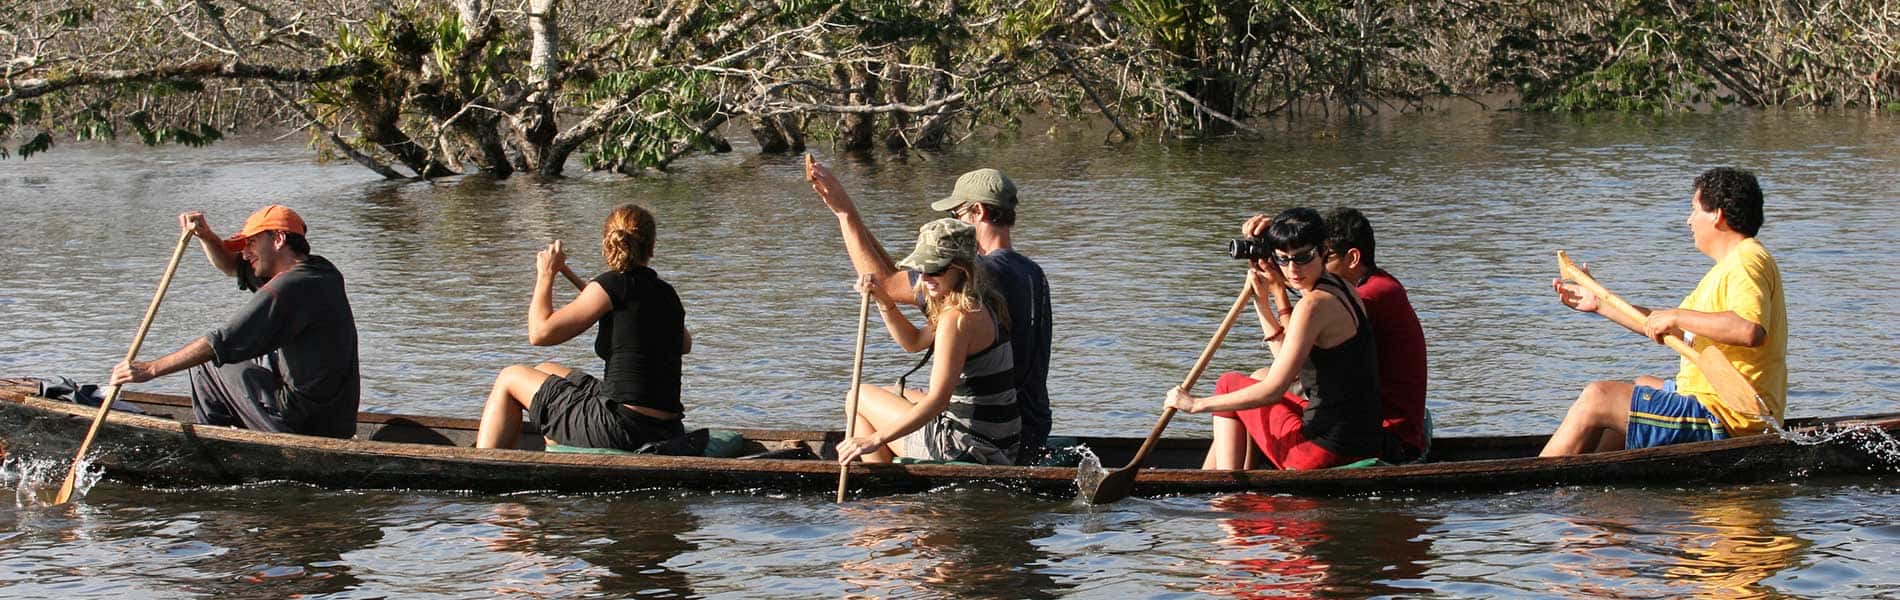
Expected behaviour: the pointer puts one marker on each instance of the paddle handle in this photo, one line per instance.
(1628, 313)
(851, 396)
(112, 391)
(1194, 375)
(1608, 299)
(579, 283)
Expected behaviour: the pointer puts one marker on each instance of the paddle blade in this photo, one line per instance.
(1731, 386)
(1118, 484)
(66, 489)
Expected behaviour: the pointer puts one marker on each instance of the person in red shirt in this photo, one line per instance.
(1395, 328)
(1399, 339)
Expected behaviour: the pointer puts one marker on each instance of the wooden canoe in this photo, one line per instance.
(394, 451)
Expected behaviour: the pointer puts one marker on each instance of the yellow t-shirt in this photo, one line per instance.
(1748, 283)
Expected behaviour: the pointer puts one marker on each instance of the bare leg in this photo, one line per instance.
(1228, 450)
(553, 368)
(880, 410)
(1597, 421)
(1232, 447)
(501, 415)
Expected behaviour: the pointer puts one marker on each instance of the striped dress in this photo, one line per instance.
(982, 424)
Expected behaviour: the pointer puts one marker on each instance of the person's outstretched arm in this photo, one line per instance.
(867, 255)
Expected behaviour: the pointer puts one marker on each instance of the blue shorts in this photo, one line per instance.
(1662, 417)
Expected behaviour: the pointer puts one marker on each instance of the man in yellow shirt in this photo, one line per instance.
(1737, 307)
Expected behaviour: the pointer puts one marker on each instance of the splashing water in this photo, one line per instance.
(36, 481)
(1869, 439)
(1088, 473)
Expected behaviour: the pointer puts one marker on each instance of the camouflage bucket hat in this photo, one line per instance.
(938, 243)
(982, 186)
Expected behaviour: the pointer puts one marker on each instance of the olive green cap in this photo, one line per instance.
(982, 186)
(939, 242)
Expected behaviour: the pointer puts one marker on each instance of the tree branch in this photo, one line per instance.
(195, 71)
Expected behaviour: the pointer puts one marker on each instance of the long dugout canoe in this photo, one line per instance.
(391, 451)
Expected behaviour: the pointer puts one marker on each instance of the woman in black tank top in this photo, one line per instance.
(636, 402)
(1337, 420)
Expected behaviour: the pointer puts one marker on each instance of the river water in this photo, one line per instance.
(1469, 209)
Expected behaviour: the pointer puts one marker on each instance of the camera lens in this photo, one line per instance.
(1248, 249)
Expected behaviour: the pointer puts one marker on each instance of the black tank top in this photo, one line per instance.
(1342, 406)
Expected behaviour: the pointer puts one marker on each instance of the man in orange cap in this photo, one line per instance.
(287, 362)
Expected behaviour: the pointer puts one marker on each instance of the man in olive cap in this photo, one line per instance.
(986, 199)
(287, 363)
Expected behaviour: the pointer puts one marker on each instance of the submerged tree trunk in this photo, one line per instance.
(860, 128)
(535, 126)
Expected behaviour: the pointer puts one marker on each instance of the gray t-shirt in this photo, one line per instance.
(1026, 291)
(304, 316)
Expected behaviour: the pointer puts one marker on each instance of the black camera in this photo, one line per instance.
(1249, 249)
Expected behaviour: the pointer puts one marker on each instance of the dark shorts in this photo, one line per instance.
(1663, 417)
(572, 412)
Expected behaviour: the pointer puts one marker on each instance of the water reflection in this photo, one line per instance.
(1284, 546)
(982, 547)
(278, 544)
(621, 546)
(1725, 545)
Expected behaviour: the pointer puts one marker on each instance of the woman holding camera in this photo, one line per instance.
(969, 411)
(1325, 334)
(642, 337)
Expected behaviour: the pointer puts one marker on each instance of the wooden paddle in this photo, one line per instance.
(579, 283)
(851, 397)
(1731, 387)
(112, 391)
(1120, 482)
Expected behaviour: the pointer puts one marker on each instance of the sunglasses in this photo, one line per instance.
(938, 272)
(1297, 259)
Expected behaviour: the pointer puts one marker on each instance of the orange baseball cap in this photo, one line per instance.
(275, 217)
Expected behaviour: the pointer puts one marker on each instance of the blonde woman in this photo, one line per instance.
(642, 337)
(968, 413)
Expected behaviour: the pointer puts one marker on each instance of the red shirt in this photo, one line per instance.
(1401, 343)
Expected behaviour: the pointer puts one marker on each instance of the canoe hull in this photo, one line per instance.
(404, 452)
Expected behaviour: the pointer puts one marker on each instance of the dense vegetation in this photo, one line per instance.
(432, 88)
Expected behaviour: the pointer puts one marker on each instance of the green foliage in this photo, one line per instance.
(669, 103)
(92, 123)
(883, 22)
(72, 16)
(1646, 56)
(40, 143)
(198, 135)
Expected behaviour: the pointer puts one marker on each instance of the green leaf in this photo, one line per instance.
(39, 143)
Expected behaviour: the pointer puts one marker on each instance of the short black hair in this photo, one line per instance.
(1734, 192)
(1296, 227)
(296, 242)
(1347, 228)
